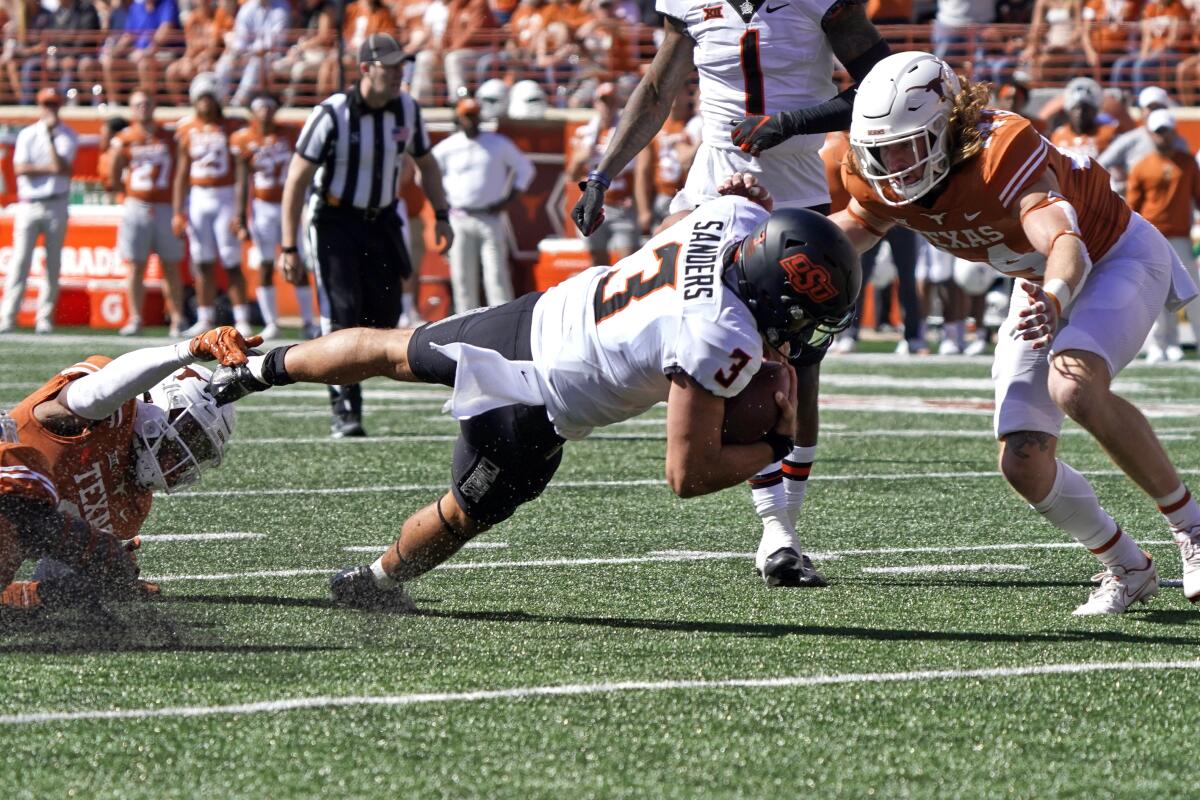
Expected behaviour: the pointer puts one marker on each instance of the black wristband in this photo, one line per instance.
(273, 371)
(289, 250)
(781, 446)
(442, 215)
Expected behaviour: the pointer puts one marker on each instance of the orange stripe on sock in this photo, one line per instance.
(1171, 509)
(797, 471)
(1116, 536)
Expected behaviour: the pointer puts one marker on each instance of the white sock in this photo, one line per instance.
(1072, 506)
(382, 579)
(206, 315)
(771, 504)
(778, 533)
(1180, 509)
(241, 314)
(304, 300)
(796, 468)
(266, 304)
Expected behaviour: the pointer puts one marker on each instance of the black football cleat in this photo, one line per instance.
(346, 428)
(228, 384)
(355, 587)
(787, 568)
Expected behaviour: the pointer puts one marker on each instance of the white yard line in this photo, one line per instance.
(199, 537)
(920, 569)
(378, 548)
(587, 689)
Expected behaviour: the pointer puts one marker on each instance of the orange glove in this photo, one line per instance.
(224, 344)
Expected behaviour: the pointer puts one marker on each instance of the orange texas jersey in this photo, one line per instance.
(669, 174)
(1085, 145)
(267, 156)
(208, 145)
(976, 215)
(23, 474)
(94, 470)
(149, 159)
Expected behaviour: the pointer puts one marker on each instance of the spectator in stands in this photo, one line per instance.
(71, 53)
(1159, 36)
(1134, 145)
(502, 10)
(204, 29)
(556, 55)
(1164, 187)
(523, 28)
(146, 42)
(467, 36)
(31, 44)
(259, 38)
(605, 41)
(363, 18)
(302, 63)
(42, 159)
(1055, 37)
(1187, 73)
(1107, 32)
(957, 25)
(1083, 134)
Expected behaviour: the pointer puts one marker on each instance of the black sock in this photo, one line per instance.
(273, 371)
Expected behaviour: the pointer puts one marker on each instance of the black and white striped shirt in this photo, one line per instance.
(359, 148)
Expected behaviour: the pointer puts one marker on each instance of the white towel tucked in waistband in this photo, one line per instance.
(486, 380)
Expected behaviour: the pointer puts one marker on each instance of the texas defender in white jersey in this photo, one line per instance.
(687, 319)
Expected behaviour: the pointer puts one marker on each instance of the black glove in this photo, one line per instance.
(757, 133)
(589, 211)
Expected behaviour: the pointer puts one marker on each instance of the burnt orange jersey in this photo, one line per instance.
(208, 145)
(669, 174)
(1165, 189)
(267, 155)
(92, 471)
(1086, 145)
(149, 163)
(976, 214)
(23, 474)
(833, 153)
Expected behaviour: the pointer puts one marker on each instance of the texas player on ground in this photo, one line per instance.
(688, 319)
(262, 152)
(31, 526)
(143, 161)
(204, 203)
(983, 185)
(114, 431)
(766, 100)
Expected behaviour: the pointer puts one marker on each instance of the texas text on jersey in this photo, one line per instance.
(976, 215)
(756, 57)
(605, 341)
(94, 470)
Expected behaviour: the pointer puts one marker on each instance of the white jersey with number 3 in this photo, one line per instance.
(605, 341)
(778, 60)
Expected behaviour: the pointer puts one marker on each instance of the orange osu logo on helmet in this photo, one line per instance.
(808, 279)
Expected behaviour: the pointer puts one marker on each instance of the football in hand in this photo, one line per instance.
(753, 411)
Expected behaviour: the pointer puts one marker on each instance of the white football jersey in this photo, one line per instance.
(757, 57)
(605, 341)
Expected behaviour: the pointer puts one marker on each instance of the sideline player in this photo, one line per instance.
(981, 184)
(204, 185)
(114, 431)
(766, 100)
(262, 152)
(687, 319)
(143, 158)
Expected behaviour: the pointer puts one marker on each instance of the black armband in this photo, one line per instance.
(442, 215)
(273, 371)
(834, 114)
(289, 250)
(781, 446)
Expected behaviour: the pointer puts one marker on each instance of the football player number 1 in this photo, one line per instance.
(752, 73)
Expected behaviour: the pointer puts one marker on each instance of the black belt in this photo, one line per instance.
(369, 214)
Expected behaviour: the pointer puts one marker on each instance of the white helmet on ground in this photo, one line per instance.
(492, 97)
(8, 428)
(1082, 91)
(180, 432)
(973, 277)
(206, 83)
(526, 100)
(907, 98)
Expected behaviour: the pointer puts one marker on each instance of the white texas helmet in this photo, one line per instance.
(206, 83)
(181, 431)
(527, 100)
(907, 98)
(492, 96)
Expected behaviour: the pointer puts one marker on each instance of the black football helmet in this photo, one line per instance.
(800, 277)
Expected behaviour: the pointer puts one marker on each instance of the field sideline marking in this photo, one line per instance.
(655, 557)
(199, 537)
(583, 689)
(921, 569)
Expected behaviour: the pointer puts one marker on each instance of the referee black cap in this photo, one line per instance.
(382, 48)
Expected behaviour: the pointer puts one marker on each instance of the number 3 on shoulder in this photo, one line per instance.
(740, 359)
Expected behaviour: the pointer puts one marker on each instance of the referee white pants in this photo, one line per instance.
(480, 244)
(1166, 329)
(35, 218)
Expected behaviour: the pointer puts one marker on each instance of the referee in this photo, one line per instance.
(350, 152)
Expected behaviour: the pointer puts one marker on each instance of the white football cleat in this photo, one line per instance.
(131, 328)
(949, 347)
(976, 347)
(1174, 353)
(1189, 551)
(1155, 354)
(269, 331)
(1120, 588)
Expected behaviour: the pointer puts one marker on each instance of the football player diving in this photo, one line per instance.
(981, 184)
(108, 433)
(767, 98)
(688, 319)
